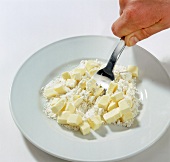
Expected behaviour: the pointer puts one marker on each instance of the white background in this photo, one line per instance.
(27, 26)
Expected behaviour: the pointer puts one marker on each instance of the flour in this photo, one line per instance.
(89, 106)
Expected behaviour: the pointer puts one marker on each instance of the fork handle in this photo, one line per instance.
(116, 54)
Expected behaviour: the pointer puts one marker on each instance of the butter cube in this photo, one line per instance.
(58, 107)
(91, 85)
(117, 96)
(97, 100)
(133, 70)
(82, 84)
(60, 89)
(126, 75)
(71, 83)
(75, 97)
(80, 70)
(50, 92)
(74, 120)
(93, 71)
(85, 128)
(70, 107)
(124, 106)
(112, 88)
(91, 64)
(95, 122)
(129, 102)
(54, 101)
(76, 76)
(78, 102)
(66, 75)
(112, 106)
(127, 116)
(91, 99)
(62, 118)
(98, 91)
(104, 101)
(124, 103)
(124, 110)
(112, 116)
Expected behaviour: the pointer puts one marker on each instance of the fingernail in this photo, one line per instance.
(133, 40)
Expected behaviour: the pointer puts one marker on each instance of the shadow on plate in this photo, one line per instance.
(89, 136)
(152, 69)
(78, 134)
(166, 65)
(115, 128)
(102, 131)
(40, 155)
(152, 152)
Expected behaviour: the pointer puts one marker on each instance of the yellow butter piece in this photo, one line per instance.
(93, 71)
(124, 103)
(117, 96)
(74, 119)
(62, 118)
(112, 116)
(76, 76)
(66, 75)
(91, 85)
(50, 92)
(54, 101)
(124, 110)
(112, 88)
(127, 116)
(133, 70)
(70, 107)
(71, 83)
(60, 89)
(80, 70)
(97, 100)
(75, 97)
(85, 128)
(95, 122)
(124, 106)
(58, 107)
(91, 64)
(91, 99)
(78, 102)
(112, 106)
(82, 84)
(126, 75)
(98, 91)
(129, 102)
(104, 101)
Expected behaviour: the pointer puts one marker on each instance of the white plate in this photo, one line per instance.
(109, 142)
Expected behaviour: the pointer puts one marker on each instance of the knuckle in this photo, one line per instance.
(115, 30)
(130, 14)
(145, 33)
(122, 3)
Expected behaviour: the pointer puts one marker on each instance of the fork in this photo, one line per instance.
(104, 76)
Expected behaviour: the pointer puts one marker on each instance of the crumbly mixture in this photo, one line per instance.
(76, 101)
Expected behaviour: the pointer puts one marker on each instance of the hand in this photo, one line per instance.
(140, 19)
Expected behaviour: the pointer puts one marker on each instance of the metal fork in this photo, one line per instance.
(104, 76)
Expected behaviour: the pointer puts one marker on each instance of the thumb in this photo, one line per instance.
(143, 33)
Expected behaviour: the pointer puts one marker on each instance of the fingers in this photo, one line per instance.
(120, 11)
(123, 3)
(122, 26)
(141, 34)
